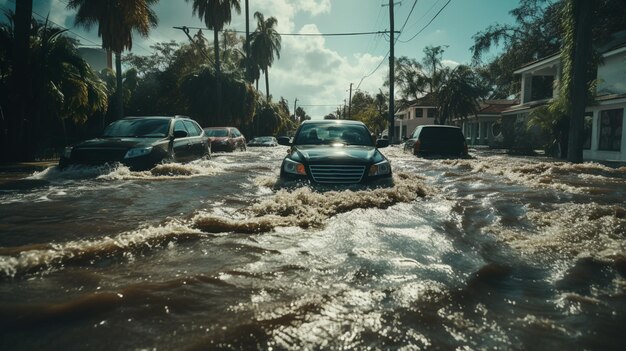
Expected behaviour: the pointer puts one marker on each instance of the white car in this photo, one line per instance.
(263, 141)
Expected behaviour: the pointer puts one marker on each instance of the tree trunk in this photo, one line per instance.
(15, 145)
(267, 85)
(119, 113)
(578, 93)
(218, 79)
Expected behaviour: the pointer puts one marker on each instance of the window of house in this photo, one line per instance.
(430, 113)
(611, 130)
(542, 87)
(587, 128)
(419, 113)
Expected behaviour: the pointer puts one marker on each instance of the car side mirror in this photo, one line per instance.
(180, 134)
(380, 143)
(283, 140)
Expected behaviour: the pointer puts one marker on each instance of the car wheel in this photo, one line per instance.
(243, 147)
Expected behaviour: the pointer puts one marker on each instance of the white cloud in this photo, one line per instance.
(449, 63)
(314, 7)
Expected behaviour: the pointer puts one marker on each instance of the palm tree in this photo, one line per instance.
(215, 14)
(265, 42)
(459, 93)
(116, 20)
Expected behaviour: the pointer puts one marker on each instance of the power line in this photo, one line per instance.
(374, 71)
(406, 20)
(302, 34)
(431, 21)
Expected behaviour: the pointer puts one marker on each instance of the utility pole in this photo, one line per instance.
(350, 103)
(344, 109)
(391, 70)
(295, 102)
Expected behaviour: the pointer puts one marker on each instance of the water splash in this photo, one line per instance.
(305, 207)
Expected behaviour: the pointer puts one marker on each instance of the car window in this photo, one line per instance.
(441, 133)
(221, 132)
(330, 133)
(235, 132)
(136, 127)
(180, 126)
(192, 128)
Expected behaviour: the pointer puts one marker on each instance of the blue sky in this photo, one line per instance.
(316, 70)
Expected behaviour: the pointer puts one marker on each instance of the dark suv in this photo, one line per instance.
(437, 140)
(141, 143)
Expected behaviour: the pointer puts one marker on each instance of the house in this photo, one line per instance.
(419, 112)
(604, 118)
(484, 127)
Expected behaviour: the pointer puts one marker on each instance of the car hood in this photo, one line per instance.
(120, 143)
(218, 138)
(335, 154)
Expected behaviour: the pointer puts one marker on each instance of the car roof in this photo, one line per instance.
(156, 117)
(333, 121)
(438, 126)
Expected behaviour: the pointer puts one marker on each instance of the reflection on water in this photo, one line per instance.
(489, 252)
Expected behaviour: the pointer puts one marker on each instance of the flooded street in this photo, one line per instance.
(494, 252)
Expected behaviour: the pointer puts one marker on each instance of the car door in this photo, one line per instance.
(197, 141)
(409, 144)
(181, 147)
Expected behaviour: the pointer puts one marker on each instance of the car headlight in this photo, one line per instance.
(294, 167)
(381, 168)
(136, 152)
(67, 152)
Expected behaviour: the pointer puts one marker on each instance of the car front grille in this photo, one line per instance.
(97, 155)
(342, 174)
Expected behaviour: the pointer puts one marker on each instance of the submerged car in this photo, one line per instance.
(225, 139)
(334, 152)
(263, 141)
(141, 143)
(437, 140)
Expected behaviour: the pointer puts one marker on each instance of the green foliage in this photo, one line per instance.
(370, 110)
(459, 93)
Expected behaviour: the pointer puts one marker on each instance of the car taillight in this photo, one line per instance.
(416, 147)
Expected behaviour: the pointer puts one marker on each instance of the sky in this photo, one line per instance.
(318, 71)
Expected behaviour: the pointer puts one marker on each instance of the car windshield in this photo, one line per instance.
(138, 128)
(216, 132)
(262, 139)
(331, 133)
(441, 133)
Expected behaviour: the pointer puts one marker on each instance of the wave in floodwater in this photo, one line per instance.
(569, 231)
(562, 176)
(120, 172)
(304, 207)
(16, 261)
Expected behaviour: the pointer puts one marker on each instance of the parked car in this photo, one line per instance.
(141, 143)
(263, 141)
(334, 152)
(437, 140)
(225, 138)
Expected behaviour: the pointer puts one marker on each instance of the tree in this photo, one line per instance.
(458, 94)
(116, 20)
(409, 78)
(535, 34)
(265, 43)
(576, 56)
(215, 14)
(432, 62)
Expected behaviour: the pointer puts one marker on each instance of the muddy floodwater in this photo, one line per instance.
(494, 252)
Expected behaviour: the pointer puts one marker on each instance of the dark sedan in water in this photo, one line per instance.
(334, 152)
(437, 141)
(141, 143)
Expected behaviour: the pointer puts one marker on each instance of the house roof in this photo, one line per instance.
(495, 107)
(538, 63)
(426, 100)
